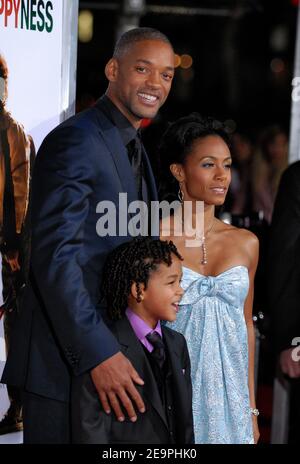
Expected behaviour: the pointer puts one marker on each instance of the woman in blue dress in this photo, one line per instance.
(215, 313)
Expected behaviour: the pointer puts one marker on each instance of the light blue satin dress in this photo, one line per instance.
(211, 317)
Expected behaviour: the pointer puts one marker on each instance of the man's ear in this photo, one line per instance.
(111, 70)
(177, 171)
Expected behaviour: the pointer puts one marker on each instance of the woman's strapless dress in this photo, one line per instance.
(211, 317)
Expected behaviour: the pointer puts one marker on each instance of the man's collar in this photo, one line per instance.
(126, 129)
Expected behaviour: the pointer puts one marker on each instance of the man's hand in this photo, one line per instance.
(113, 379)
(288, 366)
(1, 313)
(12, 257)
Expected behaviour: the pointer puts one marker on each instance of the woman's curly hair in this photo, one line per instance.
(131, 262)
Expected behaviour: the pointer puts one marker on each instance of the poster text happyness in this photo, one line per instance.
(33, 15)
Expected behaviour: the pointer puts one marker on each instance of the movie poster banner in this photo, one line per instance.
(38, 43)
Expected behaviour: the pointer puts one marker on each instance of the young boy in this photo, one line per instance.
(141, 285)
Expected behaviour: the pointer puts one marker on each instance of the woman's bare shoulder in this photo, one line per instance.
(248, 237)
(240, 236)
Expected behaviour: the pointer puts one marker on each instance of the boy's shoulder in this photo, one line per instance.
(122, 329)
(172, 334)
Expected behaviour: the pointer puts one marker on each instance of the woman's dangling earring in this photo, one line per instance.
(180, 193)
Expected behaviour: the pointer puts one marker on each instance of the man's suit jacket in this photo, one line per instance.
(60, 330)
(284, 261)
(90, 424)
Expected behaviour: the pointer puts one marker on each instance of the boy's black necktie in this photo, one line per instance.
(158, 352)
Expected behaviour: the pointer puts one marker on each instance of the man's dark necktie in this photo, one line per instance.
(158, 353)
(135, 158)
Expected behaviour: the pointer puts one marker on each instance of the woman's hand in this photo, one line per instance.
(256, 433)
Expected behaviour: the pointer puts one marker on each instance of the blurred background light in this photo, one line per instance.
(187, 75)
(277, 65)
(230, 125)
(177, 60)
(279, 38)
(85, 26)
(186, 61)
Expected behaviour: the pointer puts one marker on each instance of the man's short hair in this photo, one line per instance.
(3, 81)
(137, 35)
(3, 68)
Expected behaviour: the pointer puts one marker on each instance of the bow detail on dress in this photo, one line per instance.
(220, 286)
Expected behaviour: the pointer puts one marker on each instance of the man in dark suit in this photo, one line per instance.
(284, 279)
(92, 157)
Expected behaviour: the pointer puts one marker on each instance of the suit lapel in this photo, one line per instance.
(119, 154)
(149, 176)
(133, 350)
(178, 380)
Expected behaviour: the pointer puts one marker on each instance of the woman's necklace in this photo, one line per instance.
(203, 245)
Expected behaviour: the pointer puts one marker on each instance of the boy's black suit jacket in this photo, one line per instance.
(90, 424)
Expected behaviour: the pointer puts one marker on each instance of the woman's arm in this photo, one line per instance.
(252, 250)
